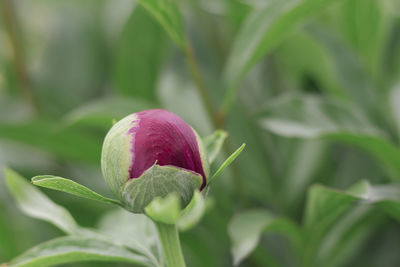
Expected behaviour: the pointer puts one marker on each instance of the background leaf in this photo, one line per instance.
(263, 30)
(325, 206)
(77, 249)
(35, 204)
(64, 143)
(314, 117)
(246, 229)
(101, 112)
(140, 54)
(168, 15)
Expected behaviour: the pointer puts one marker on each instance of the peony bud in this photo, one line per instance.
(146, 140)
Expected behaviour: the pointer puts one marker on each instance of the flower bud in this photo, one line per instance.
(145, 140)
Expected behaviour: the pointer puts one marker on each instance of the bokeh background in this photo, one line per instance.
(68, 68)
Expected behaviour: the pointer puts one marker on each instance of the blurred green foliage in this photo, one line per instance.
(312, 87)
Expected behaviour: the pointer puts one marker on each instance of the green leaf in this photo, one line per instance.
(164, 210)
(193, 213)
(213, 144)
(262, 31)
(135, 231)
(359, 20)
(37, 205)
(309, 116)
(300, 168)
(325, 206)
(169, 16)
(395, 108)
(62, 142)
(159, 181)
(348, 236)
(139, 56)
(73, 249)
(314, 62)
(315, 117)
(349, 70)
(227, 162)
(245, 230)
(102, 111)
(71, 187)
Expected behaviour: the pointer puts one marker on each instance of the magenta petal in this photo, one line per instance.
(160, 135)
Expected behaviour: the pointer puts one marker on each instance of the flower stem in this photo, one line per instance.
(168, 234)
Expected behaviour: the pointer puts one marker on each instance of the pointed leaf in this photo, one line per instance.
(71, 187)
(227, 162)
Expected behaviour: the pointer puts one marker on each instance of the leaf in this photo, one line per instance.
(179, 95)
(315, 117)
(348, 236)
(65, 143)
(299, 169)
(168, 15)
(325, 206)
(102, 111)
(37, 205)
(159, 181)
(311, 116)
(76, 249)
(245, 230)
(350, 72)
(193, 213)
(395, 108)
(139, 57)
(213, 144)
(227, 162)
(71, 187)
(164, 210)
(262, 31)
(135, 231)
(313, 64)
(361, 19)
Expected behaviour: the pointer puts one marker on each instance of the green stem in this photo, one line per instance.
(217, 118)
(170, 243)
(11, 29)
(201, 87)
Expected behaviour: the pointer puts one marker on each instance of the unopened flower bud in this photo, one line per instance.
(148, 139)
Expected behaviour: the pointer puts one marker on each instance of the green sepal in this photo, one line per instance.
(159, 181)
(165, 210)
(213, 144)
